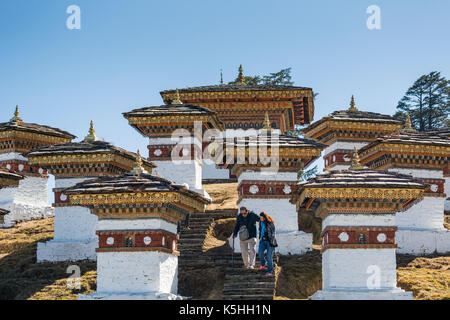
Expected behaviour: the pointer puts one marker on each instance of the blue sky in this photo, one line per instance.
(128, 51)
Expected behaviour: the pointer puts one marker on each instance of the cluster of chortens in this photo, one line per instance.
(384, 190)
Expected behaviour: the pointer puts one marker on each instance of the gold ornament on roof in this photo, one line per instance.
(91, 136)
(138, 169)
(267, 125)
(356, 165)
(241, 78)
(352, 105)
(177, 98)
(408, 125)
(16, 117)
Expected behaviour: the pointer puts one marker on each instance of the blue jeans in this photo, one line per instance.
(263, 246)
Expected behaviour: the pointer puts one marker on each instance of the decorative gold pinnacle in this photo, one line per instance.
(408, 125)
(91, 136)
(241, 78)
(16, 117)
(352, 105)
(138, 169)
(356, 165)
(267, 125)
(177, 98)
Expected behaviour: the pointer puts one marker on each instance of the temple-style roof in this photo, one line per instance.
(163, 120)
(407, 148)
(169, 110)
(16, 124)
(444, 131)
(281, 141)
(362, 178)
(9, 178)
(235, 87)
(352, 119)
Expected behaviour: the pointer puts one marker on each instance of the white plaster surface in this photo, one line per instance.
(375, 220)
(190, 173)
(422, 242)
(351, 268)
(256, 175)
(336, 294)
(28, 201)
(7, 156)
(211, 172)
(343, 145)
(137, 224)
(136, 273)
(447, 192)
(428, 214)
(420, 173)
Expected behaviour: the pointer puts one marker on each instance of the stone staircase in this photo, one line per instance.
(240, 283)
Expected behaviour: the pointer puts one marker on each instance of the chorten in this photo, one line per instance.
(175, 134)
(72, 163)
(30, 199)
(137, 254)
(425, 156)
(8, 179)
(344, 130)
(267, 168)
(358, 208)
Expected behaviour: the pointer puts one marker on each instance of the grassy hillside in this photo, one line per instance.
(298, 276)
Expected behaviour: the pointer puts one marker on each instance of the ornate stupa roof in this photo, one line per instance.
(292, 152)
(9, 178)
(407, 148)
(136, 187)
(90, 151)
(163, 120)
(369, 124)
(31, 135)
(241, 105)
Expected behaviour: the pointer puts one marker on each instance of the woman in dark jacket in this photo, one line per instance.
(267, 242)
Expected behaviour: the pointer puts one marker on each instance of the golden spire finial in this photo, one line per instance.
(91, 136)
(267, 125)
(16, 117)
(408, 125)
(356, 165)
(177, 98)
(241, 78)
(138, 169)
(352, 105)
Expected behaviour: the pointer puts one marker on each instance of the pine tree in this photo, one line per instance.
(427, 102)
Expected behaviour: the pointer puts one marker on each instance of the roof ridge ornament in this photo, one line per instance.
(241, 78)
(352, 105)
(16, 117)
(356, 165)
(91, 137)
(408, 125)
(138, 169)
(267, 125)
(177, 98)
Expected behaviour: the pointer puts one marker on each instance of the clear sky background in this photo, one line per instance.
(127, 51)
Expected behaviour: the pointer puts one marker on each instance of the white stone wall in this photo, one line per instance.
(211, 172)
(136, 272)
(375, 220)
(351, 268)
(28, 201)
(428, 214)
(447, 194)
(343, 145)
(7, 156)
(74, 232)
(190, 173)
(137, 224)
(250, 175)
(422, 242)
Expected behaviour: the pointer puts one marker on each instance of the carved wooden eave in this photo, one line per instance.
(9, 178)
(132, 192)
(358, 191)
(407, 149)
(86, 159)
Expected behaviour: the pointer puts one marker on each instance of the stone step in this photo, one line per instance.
(249, 292)
(192, 240)
(196, 235)
(249, 284)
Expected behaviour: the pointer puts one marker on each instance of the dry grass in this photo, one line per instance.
(224, 195)
(22, 278)
(427, 277)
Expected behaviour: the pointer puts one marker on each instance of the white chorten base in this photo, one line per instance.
(29, 201)
(346, 294)
(422, 242)
(130, 296)
(74, 238)
(136, 275)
